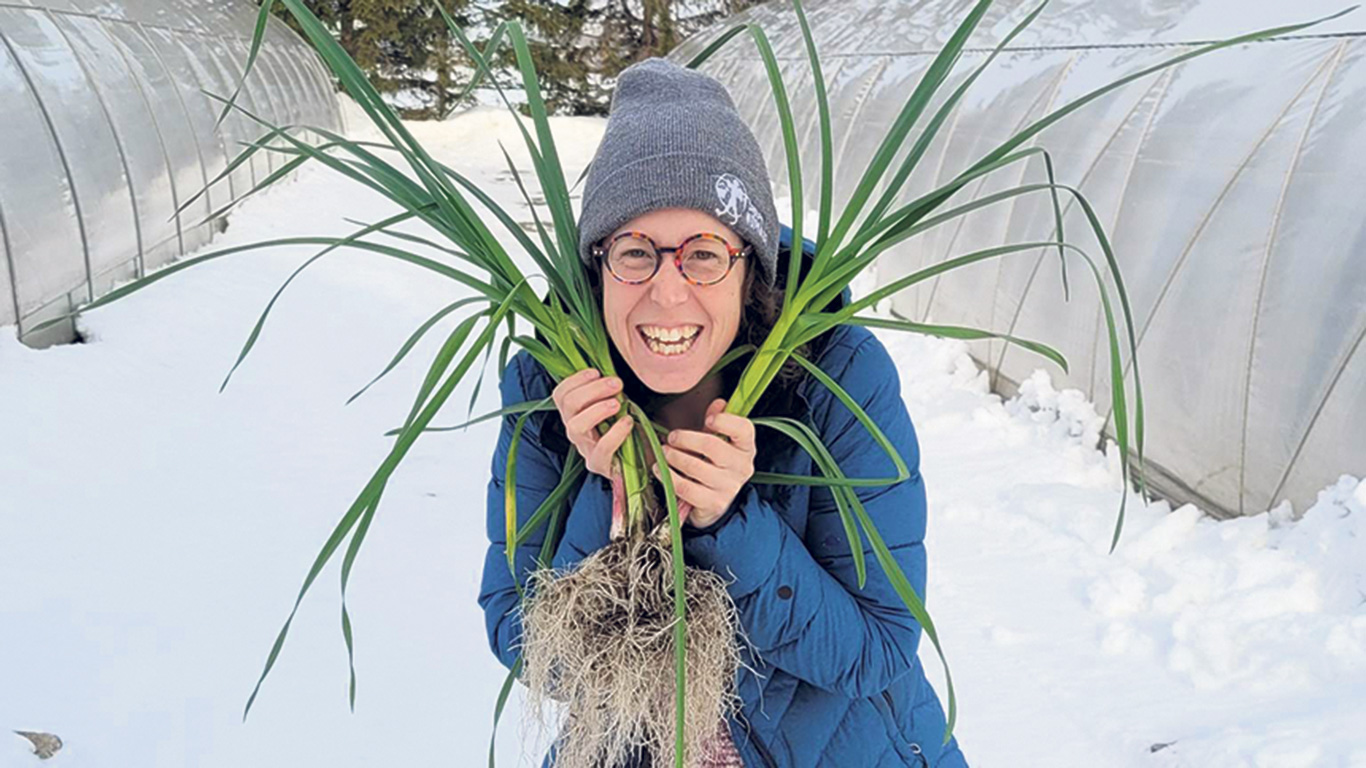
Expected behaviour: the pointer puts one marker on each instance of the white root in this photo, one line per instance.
(599, 639)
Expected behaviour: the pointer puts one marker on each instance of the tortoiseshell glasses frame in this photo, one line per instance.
(604, 252)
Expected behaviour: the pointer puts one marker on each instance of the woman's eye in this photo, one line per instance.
(703, 257)
(636, 254)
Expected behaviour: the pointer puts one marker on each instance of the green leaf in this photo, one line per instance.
(546, 242)
(844, 499)
(504, 348)
(535, 406)
(374, 488)
(265, 313)
(454, 341)
(794, 163)
(552, 359)
(258, 34)
(958, 332)
(455, 209)
(423, 241)
(931, 130)
(554, 506)
(491, 47)
(502, 702)
(680, 597)
(550, 172)
(902, 585)
(902, 472)
(251, 149)
(834, 281)
(775, 478)
(510, 495)
(357, 538)
(186, 263)
(930, 82)
(823, 117)
(715, 46)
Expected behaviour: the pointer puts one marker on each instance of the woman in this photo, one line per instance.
(680, 233)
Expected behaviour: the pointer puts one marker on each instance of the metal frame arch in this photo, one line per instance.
(141, 32)
(294, 97)
(264, 67)
(199, 71)
(136, 75)
(219, 50)
(61, 154)
(13, 292)
(100, 27)
(1158, 87)
(118, 140)
(265, 108)
(1277, 219)
(309, 114)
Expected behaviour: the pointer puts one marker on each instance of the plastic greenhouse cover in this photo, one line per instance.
(197, 107)
(228, 71)
(214, 79)
(40, 221)
(107, 131)
(149, 174)
(1229, 186)
(100, 197)
(174, 132)
(264, 102)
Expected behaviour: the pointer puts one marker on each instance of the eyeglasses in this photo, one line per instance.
(703, 259)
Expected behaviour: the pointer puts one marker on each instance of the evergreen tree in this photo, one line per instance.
(580, 46)
(403, 46)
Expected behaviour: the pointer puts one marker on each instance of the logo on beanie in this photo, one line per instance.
(735, 204)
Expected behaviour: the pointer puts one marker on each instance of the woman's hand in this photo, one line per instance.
(585, 400)
(709, 468)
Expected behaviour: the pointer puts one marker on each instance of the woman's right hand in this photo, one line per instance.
(585, 400)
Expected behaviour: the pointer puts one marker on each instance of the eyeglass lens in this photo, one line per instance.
(635, 260)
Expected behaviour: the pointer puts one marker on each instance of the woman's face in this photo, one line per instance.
(669, 331)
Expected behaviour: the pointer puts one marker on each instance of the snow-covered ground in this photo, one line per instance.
(155, 533)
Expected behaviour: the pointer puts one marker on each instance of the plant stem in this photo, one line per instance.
(762, 368)
(635, 478)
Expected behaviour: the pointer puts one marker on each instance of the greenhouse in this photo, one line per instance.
(108, 131)
(1228, 185)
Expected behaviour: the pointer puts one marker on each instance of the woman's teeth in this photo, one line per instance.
(669, 341)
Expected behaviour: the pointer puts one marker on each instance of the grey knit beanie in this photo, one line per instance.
(675, 139)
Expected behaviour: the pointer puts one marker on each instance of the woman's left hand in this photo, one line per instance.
(709, 468)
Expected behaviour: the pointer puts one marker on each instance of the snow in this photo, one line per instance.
(156, 533)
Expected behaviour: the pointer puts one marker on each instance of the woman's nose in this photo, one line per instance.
(669, 288)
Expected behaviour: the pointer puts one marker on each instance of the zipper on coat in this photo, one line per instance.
(887, 696)
(759, 747)
(915, 748)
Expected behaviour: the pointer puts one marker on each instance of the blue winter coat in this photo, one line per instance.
(838, 681)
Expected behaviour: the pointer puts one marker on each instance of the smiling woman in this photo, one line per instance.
(682, 241)
(672, 323)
